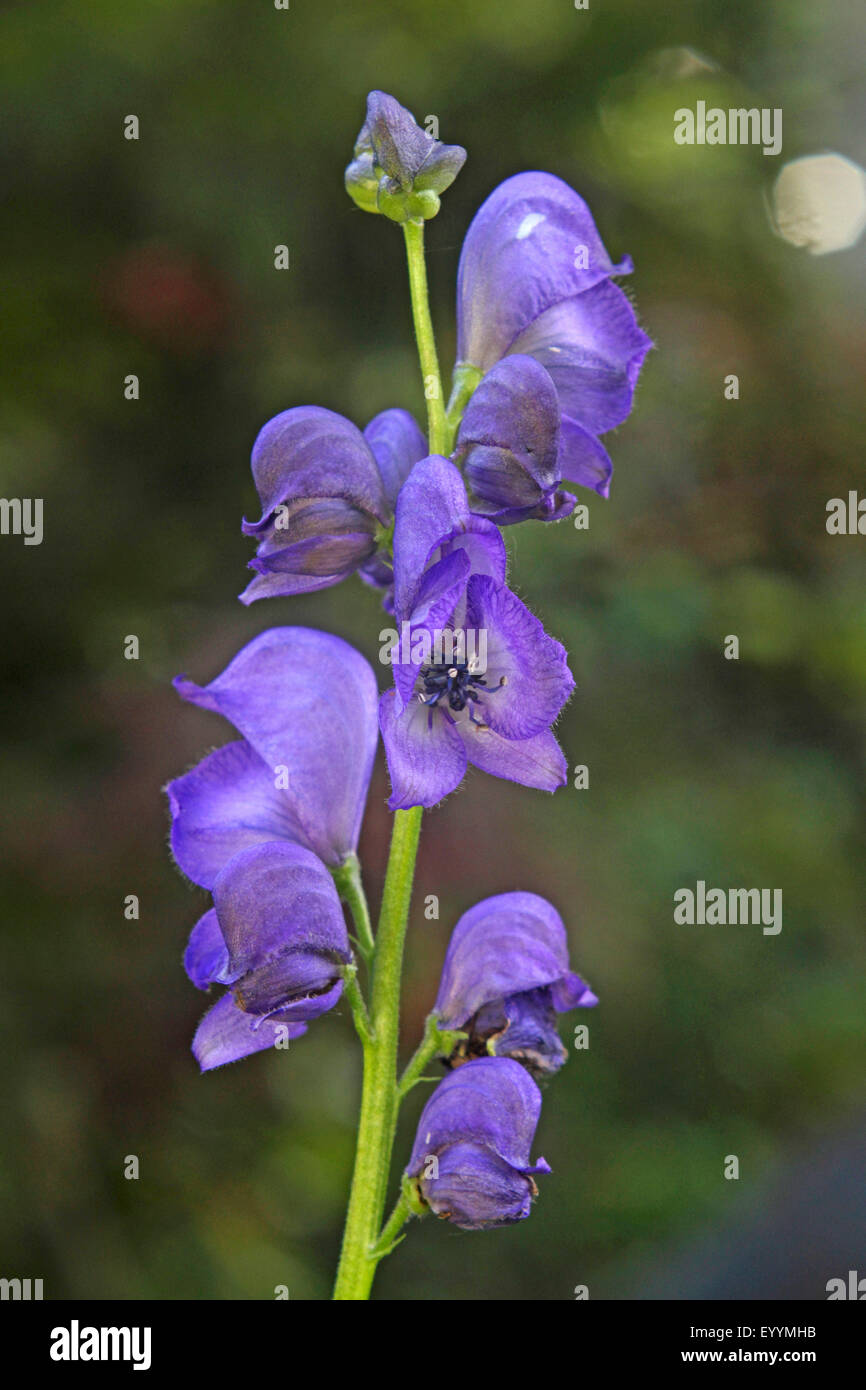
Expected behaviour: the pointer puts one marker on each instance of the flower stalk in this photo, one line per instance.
(363, 1246)
(377, 1125)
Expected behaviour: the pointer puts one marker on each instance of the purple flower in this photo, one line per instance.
(477, 680)
(305, 704)
(506, 976)
(327, 493)
(509, 445)
(535, 279)
(470, 1163)
(398, 168)
(277, 937)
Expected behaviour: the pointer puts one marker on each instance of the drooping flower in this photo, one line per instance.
(509, 445)
(470, 1163)
(534, 278)
(493, 708)
(399, 169)
(277, 938)
(327, 493)
(506, 976)
(305, 703)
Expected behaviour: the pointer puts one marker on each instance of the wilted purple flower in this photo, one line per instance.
(446, 711)
(506, 976)
(327, 493)
(470, 1162)
(398, 168)
(305, 703)
(535, 278)
(277, 937)
(509, 445)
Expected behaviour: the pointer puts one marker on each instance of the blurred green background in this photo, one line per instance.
(155, 257)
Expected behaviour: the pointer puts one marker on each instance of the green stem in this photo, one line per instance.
(437, 1042)
(437, 426)
(351, 890)
(352, 992)
(466, 379)
(379, 1097)
(393, 1226)
(364, 1245)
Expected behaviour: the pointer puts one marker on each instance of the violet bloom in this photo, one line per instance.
(277, 937)
(305, 703)
(535, 279)
(327, 493)
(506, 976)
(470, 1162)
(398, 168)
(449, 708)
(513, 452)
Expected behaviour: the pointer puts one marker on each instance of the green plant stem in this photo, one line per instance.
(436, 1042)
(466, 379)
(364, 1245)
(379, 1097)
(390, 1235)
(351, 890)
(352, 992)
(424, 336)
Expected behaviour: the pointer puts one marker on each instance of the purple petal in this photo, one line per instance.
(283, 926)
(318, 556)
(523, 1027)
(306, 702)
(476, 1190)
(308, 452)
(226, 1034)
(286, 585)
(206, 959)
(327, 536)
(397, 444)
(406, 152)
(432, 506)
(593, 348)
(509, 436)
(426, 758)
(521, 255)
(504, 945)
(441, 587)
(527, 672)
(571, 992)
(482, 541)
(533, 762)
(583, 459)
(491, 1100)
(225, 804)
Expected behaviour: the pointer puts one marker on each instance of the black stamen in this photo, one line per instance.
(455, 681)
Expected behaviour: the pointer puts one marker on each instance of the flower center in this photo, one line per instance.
(456, 683)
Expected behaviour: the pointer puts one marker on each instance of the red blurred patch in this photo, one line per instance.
(169, 299)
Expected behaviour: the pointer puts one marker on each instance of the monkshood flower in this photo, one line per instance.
(327, 493)
(470, 1162)
(277, 938)
(399, 169)
(305, 704)
(506, 976)
(449, 571)
(513, 451)
(534, 278)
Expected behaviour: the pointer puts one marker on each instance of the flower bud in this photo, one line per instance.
(398, 169)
